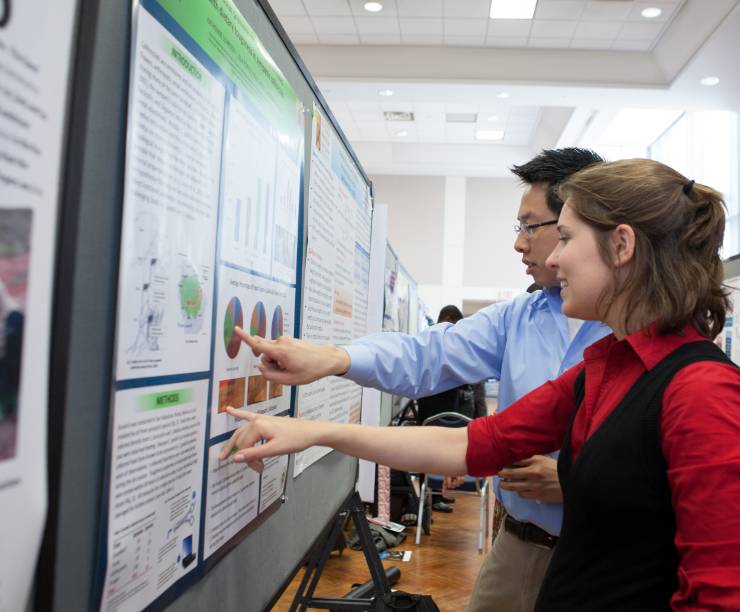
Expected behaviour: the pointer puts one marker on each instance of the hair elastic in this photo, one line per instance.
(687, 187)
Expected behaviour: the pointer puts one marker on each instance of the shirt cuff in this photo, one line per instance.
(361, 367)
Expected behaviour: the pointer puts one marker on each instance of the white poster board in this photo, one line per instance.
(35, 50)
(210, 241)
(335, 288)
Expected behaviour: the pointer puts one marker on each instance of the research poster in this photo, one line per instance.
(336, 276)
(36, 40)
(729, 338)
(210, 242)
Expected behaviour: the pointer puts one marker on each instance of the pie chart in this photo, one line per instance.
(276, 329)
(234, 317)
(258, 325)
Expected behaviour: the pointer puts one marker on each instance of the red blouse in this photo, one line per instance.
(700, 437)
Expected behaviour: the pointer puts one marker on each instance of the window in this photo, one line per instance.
(703, 146)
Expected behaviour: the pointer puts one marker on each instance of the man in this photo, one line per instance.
(522, 343)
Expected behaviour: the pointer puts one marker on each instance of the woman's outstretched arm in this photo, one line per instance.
(440, 450)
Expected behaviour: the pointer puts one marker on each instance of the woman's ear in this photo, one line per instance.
(623, 245)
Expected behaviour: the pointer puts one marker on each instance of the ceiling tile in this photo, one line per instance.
(419, 25)
(377, 25)
(465, 41)
(421, 40)
(614, 10)
(366, 116)
(304, 39)
(338, 39)
(389, 8)
(467, 8)
(495, 41)
(334, 25)
(297, 25)
(420, 8)
(640, 31)
(327, 7)
(430, 109)
(287, 7)
(632, 45)
(591, 43)
(465, 27)
(461, 108)
(380, 39)
(597, 29)
(549, 43)
(559, 9)
(461, 132)
(364, 106)
(339, 107)
(509, 27)
(552, 29)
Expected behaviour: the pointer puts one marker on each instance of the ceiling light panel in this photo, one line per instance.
(461, 117)
(398, 116)
(512, 9)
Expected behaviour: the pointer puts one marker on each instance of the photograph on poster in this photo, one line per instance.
(15, 232)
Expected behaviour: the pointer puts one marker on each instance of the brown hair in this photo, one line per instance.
(678, 225)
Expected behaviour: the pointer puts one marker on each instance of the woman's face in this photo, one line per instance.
(577, 262)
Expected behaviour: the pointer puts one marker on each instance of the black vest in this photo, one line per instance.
(616, 549)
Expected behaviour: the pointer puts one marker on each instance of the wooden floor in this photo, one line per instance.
(444, 565)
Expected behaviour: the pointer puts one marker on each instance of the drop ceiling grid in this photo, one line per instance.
(577, 24)
(364, 121)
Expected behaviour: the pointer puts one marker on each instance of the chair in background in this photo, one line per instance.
(453, 419)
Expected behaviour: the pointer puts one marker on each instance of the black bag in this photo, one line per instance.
(398, 600)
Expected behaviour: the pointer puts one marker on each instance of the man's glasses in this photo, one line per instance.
(527, 229)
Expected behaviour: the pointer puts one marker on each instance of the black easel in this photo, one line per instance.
(304, 598)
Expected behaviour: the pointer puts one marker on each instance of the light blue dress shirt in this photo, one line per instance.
(523, 343)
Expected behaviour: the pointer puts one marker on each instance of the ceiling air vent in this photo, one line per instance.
(461, 117)
(398, 116)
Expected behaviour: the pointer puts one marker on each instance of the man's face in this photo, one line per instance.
(542, 242)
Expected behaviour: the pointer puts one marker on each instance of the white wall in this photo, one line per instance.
(480, 213)
(415, 222)
(490, 259)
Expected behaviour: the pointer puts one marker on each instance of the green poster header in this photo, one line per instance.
(222, 32)
(166, 399)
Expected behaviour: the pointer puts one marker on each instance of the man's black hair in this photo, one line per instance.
(450, 314)
(553, 166)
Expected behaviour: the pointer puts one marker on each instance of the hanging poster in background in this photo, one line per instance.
(390, 292)
(729, 338)
(335, 289)
(210, 242)
(34, 76)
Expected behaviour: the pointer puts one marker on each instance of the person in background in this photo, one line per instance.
(649, 422)
(468, 400)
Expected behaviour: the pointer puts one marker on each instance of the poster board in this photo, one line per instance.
(254, 570)
(729, 339)
(337, 275)
(35, 67)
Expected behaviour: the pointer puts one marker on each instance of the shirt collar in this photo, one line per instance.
(650, 346)
(548, 297)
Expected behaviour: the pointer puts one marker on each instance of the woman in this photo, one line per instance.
(648, 424)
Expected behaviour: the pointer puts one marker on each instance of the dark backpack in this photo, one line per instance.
(398, 600)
